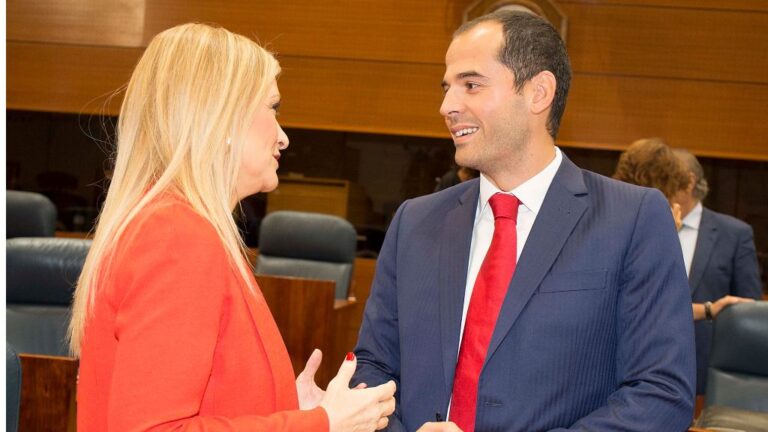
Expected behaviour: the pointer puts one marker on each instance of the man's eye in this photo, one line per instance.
(471, 85)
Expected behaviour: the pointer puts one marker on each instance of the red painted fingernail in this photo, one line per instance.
(350, 356)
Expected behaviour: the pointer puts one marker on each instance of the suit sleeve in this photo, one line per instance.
(378, 346)
(745, 281)
(655, 359)
(172, 298)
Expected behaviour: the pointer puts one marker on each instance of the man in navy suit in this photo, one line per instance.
(540, 296)
(720, 259)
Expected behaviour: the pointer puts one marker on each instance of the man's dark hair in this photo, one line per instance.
(531, 45)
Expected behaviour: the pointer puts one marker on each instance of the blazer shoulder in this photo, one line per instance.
(726, 222)
(462, 193)
(171, 219)
(618, 197)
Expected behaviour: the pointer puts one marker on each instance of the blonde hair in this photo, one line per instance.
(180, 129)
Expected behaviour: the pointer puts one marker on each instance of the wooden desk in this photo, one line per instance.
(48, 389)
(308, 317)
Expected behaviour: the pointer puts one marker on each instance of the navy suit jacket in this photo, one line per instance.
(596, 330)
(724, 263)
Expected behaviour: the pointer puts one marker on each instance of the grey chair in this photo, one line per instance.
(12, 388)
(29, 214)
(737, 385)
(308, 245)
(40, 276)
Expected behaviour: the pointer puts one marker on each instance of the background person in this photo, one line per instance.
(720, 259)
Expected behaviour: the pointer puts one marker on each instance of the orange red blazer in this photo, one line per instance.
(177, 341)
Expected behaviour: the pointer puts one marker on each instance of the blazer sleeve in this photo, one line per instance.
(171, 297)
(745, 280)
(378, 345)
(655, 359)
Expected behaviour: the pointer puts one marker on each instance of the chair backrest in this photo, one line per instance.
(738, 365)
(12, 388)
(29, 214)
(308, 245)
(40, 276)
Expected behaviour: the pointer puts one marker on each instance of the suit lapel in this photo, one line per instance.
(271, 340)
(455, 242)
(559, 213)
(705, 243)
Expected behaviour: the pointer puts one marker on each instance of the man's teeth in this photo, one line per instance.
(466, 131)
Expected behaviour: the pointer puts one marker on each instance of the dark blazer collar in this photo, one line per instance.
(705, 243)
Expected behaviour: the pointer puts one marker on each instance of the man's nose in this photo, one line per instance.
(451, 104)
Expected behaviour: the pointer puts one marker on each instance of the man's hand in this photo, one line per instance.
(309, 393)
(439, 427)
(726, 301)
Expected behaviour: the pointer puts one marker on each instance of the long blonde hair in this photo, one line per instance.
(180, 129)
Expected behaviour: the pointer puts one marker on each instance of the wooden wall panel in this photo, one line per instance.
(67, 78)
(333, 94)
(371, 66)
(642, 41)
(412, 31)
(741, 5)
(711, 118)
(86, 22)
(362, 96)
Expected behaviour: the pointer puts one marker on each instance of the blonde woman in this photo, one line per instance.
(170, 326)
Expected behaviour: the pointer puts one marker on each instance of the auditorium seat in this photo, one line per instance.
(737, 386)
(40, 276)
(29, 214)
(308, 245)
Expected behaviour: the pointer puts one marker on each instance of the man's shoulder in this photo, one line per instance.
(726, 222)
(458, 194)
(602, 187)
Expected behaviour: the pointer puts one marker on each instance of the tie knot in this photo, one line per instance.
(504, 206)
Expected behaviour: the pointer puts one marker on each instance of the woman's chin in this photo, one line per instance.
(269, 185)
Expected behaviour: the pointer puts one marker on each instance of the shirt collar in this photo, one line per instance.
(693, 219)
(531, 192)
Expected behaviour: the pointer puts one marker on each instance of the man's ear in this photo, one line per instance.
(542, 91)
(691, 182)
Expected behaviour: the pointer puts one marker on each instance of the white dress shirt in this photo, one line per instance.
(531, 195)
(688, 235)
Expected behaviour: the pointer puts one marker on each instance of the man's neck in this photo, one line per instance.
(526, 166)
(688, 207)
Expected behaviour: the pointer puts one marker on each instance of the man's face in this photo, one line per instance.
(486, 116)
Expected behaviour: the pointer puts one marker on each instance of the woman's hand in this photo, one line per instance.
(309, 393)
(359, 409)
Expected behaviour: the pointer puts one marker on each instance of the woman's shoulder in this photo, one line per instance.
(171, 217)
(170, 224)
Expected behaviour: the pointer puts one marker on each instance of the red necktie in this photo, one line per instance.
(484, 306)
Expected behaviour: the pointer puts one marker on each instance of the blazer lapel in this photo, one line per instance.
(270, 338)
(705, 243)
(455, 242)
(559, 213)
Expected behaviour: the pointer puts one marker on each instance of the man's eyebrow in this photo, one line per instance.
(470, 74)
